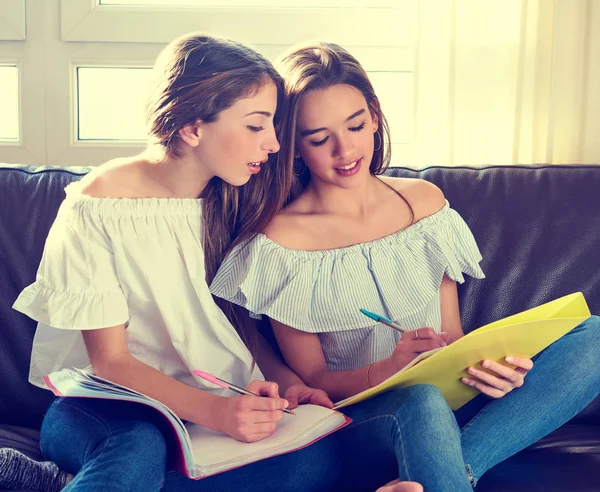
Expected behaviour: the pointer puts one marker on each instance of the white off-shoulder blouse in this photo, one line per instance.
(109, 261)
(397, 276)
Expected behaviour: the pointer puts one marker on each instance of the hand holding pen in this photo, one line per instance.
(410, 345)
(424, 338)
(251, 417)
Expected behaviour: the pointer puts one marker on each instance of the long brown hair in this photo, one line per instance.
(196, 77)
(319, 66)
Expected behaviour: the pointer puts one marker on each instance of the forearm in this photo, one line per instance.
(274, 368)
(187, 402)
(342, 384)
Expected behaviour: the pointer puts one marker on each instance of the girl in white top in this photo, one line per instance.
(350, 239)
(122, 287)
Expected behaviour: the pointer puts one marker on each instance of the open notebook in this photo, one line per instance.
(520, 335)
(204, 452)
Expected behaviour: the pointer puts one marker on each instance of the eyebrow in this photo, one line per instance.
(264, 113)
(306, 133)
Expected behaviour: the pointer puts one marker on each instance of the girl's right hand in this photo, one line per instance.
(414, 342)
(251, 418)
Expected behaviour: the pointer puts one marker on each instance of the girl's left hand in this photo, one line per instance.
(300, 394)
(503, 380)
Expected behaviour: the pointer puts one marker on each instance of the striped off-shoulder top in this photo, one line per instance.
(397, 276)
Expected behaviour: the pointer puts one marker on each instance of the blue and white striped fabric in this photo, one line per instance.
(397, 276)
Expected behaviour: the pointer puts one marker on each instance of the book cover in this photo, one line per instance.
(520, 335)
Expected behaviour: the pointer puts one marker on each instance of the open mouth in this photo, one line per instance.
(254, 167)
(349, 169)
(352, 165)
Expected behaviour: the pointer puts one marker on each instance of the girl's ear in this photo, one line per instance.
(375, 122)
(191, 133)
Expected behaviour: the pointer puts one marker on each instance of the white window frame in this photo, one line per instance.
(87, 20)
(389, 48)
(30, 148)
(47, 67)
(7, 62)
(63, 146)
(12, 20)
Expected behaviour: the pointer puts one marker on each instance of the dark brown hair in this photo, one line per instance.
(319, 66)
(196, 77)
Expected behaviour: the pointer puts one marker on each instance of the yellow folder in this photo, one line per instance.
(521, 335)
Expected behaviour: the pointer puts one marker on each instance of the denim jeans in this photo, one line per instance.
(124, 447)
(409, 432)
(564, 380)
(121, 446)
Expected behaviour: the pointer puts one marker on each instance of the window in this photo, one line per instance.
(380, 22)
(110, 103)
(80, 87)
(245, 3)
(9, 102)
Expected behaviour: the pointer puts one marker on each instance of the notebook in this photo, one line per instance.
(203, 451)
(521, 335)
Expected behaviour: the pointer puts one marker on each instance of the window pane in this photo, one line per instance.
(9, 102)
(254, 3)
(395, 93)
(111, 103)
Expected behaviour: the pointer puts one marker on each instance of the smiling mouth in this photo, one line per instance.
(352, 165)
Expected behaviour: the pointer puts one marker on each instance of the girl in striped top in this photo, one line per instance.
(352, 238)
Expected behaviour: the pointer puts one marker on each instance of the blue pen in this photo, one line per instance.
(383, 320)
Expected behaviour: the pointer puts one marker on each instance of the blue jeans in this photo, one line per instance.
(410, 433)
(124, 447)
(564, 380)
(120, 446)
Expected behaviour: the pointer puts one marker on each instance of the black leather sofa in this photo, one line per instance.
(539, 232)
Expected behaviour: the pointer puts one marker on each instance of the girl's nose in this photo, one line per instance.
(271, 144)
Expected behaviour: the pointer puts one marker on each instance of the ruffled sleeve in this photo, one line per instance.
(322, 291)
(76, 286)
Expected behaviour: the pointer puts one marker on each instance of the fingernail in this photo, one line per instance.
(510, 360)
(286, 403)
(486, 364)
(472, 370)
(466, 381)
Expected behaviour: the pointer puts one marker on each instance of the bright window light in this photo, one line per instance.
(9, 102)
(110, 103)
(247, 3)
(395, 93)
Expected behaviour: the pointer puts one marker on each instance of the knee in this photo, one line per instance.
(315, 468)
(587, 335)
(140, 456)
(591, 325)
(425, 402)
(427, 397)
(144, 442)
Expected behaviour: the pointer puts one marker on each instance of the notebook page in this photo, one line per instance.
(215, 450)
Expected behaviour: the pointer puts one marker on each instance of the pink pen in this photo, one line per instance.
(224, 384)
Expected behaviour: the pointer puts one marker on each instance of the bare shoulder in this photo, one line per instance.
(114, 179)
(424, 197)
(286, 230)
(294, 227)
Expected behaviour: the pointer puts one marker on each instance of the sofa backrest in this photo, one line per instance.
(29, 201)
(537, 228)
